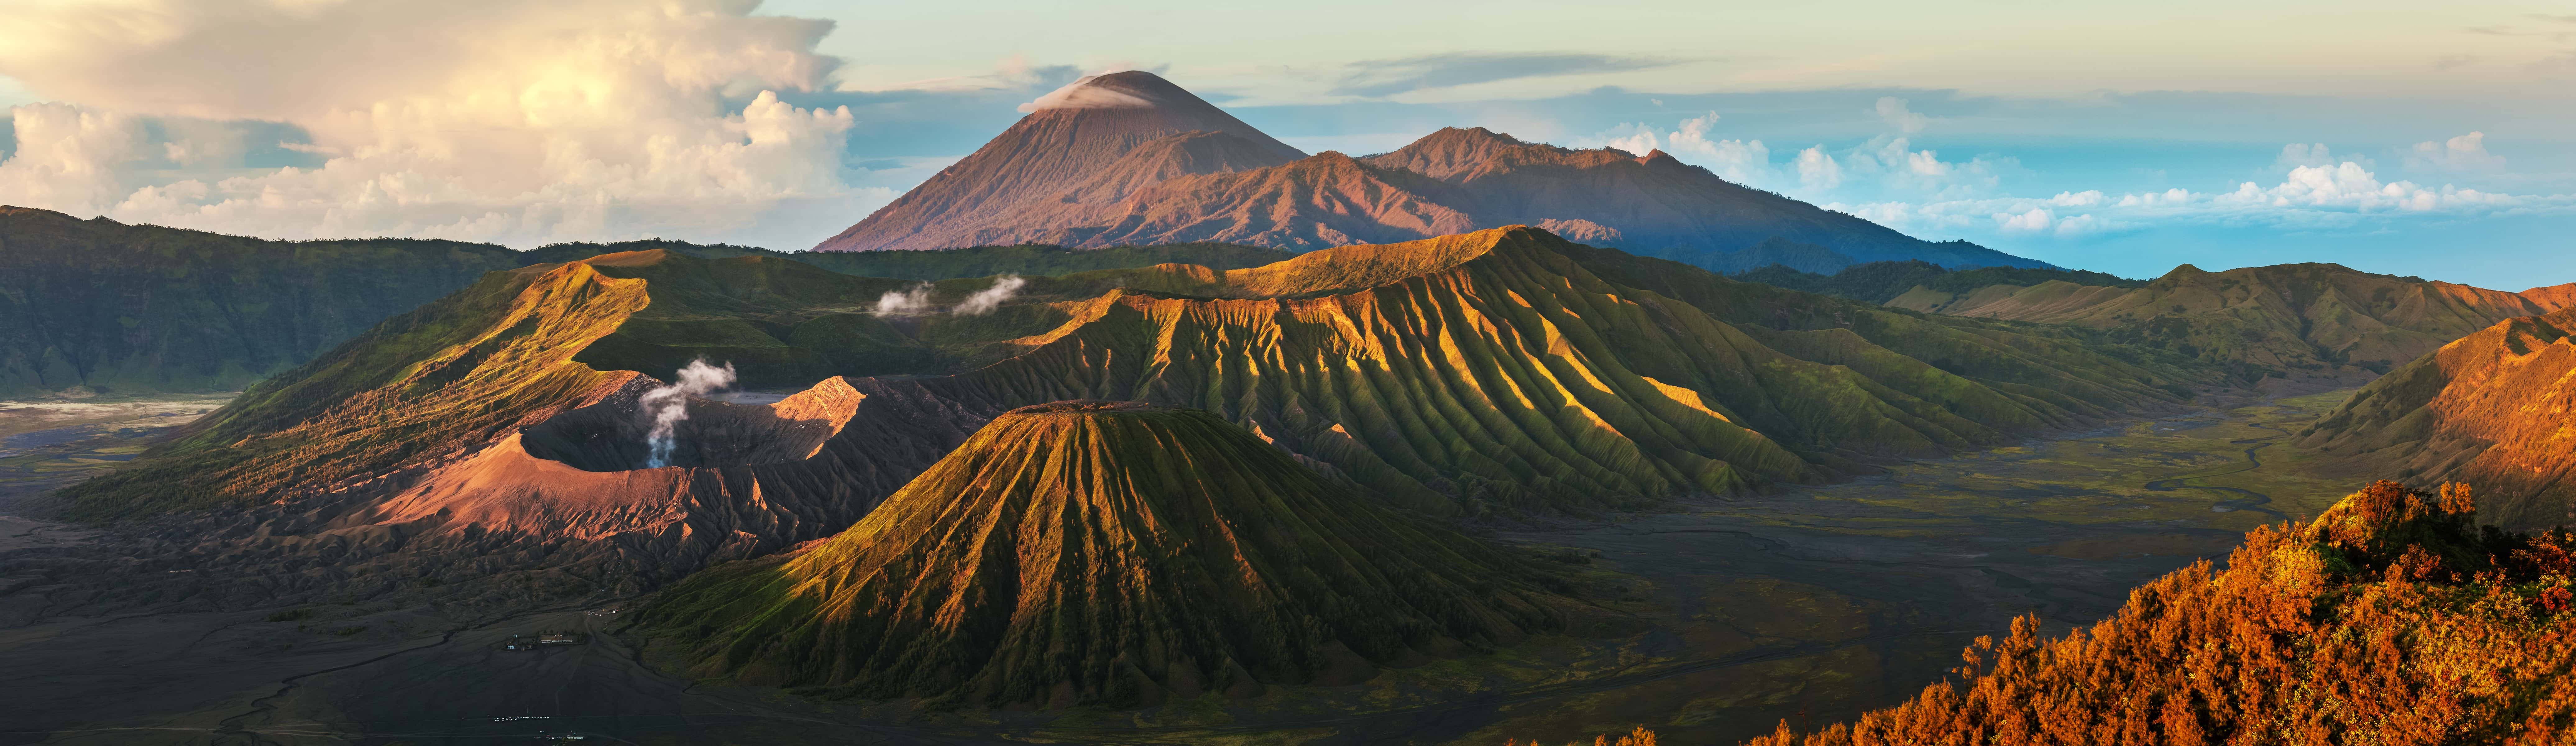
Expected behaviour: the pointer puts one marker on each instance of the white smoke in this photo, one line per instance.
(1081, 94)
(669, 404)
(985, 300)
(911, 300)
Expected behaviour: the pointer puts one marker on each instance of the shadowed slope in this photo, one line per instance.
(2297, 321)
(1106, 553)
(2391, 619)
(2489, 410)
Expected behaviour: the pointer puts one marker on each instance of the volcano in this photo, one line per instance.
(1110, 553)
(1130, 159)
(1072, 151)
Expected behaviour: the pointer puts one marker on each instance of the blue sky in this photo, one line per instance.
(2408, 138)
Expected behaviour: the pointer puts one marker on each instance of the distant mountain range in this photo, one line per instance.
(2315, 326)
(1131, 158)
(1499, 373)
(99, 306)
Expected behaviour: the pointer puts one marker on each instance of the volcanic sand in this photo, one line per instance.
(45, 444)
(1809, 606)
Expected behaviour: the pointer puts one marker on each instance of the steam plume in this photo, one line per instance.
(985, 300)
(911, 300)
(669, 404)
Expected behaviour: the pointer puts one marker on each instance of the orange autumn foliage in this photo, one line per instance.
(2392, 619)
(1638, 737)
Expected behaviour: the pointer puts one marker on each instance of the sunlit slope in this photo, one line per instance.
(513, 350)
(1504, 370)
(2295, 321)
(1107, 553)
(2489, 410)
(1494, 369)
(2391, 619)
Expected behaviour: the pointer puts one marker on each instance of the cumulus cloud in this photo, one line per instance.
(2464, 153)
(468, 119)
(1693, 141)
(2345, 194)
(1817, 169)
(1638, 140)
(1895, 113)
(1739, 161)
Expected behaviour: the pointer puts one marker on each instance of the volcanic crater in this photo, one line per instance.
(614, 433)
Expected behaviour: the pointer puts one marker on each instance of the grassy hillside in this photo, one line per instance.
(110, 307)
(1103, 553)
(1505, 370)
(1508, 370)
(2320, 324)
(2391, 619)
(1880, 282)
(2489, 410)
(508, 352)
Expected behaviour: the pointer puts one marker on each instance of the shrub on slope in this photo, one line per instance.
(2391, 619)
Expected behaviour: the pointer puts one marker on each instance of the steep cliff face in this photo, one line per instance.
(2490, 410)
(1107, 553)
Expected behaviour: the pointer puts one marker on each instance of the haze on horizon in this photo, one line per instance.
(2423, 139)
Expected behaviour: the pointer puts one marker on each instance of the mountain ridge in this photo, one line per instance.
(2487, 410)
(1148, 189)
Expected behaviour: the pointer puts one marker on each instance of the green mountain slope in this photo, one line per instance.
(2318, 324)
(1100, 553)
(1880, 282)
(114, 307)
(1505, 370)
(135, 309)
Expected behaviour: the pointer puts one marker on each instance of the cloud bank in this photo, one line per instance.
(481, 120)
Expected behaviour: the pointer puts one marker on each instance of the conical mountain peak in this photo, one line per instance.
(1112, 553)
(1045, 172)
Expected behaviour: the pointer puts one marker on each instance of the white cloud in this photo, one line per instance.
(1081, 94)
(1639, 144)
(1895, 113)
(2464, 153)
(1817, 170)
(1892, 164)
(1739, 161)
(2086, 198)
(2339, 196)
(2037, 219)
(468, 119)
